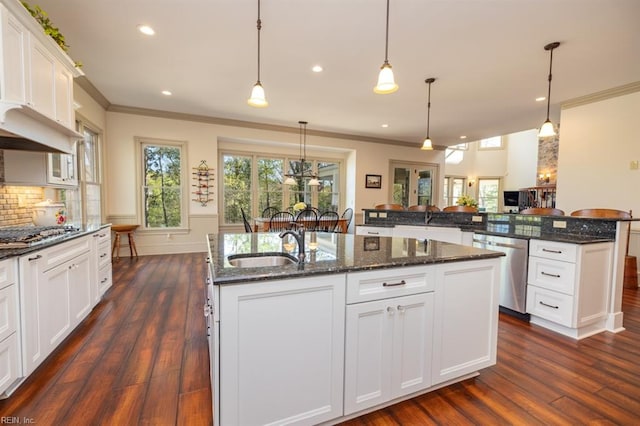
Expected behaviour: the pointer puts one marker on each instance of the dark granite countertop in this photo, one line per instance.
(561, 238)
(17, 252)
(336, 253)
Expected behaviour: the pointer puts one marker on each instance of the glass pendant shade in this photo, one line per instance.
(386, 82)
(257, 98)
(290, 181)
(314, 182)
(546, 130)
(426, 145)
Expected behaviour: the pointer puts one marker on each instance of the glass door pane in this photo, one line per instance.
(413, 184)
(424, 185)
(401, 185)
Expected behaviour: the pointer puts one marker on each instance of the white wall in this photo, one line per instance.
(522, 160)
(598, 141)
(204, 140)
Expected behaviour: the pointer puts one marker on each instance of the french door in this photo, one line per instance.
(413, 183)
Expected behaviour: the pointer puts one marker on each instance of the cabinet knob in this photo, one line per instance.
(391, 310)
(400, 308)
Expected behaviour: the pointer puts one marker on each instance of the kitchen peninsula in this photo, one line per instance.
(365, 322)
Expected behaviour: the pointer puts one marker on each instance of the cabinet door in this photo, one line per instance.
(368, 354)
(64, 96)
(79, 276)
(9, 361)
(61, 169)
(412, 343)
(41, 79)
(14, 41)
(54, 306)
(282, 351)
(466, 318)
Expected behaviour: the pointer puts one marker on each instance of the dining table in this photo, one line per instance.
(263, 224)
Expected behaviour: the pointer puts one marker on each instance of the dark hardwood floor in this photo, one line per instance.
(141, 358)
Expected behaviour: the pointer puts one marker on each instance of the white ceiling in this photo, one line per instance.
(487, 56)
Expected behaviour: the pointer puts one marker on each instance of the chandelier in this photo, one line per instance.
(294, 178)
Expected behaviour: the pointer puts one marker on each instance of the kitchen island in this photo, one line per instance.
(365, 322)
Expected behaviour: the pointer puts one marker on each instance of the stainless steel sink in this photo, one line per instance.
(256, 260)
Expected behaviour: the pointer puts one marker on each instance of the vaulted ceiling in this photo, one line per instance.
(487, 57)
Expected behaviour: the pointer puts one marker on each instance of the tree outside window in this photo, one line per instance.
(237, 187)
(488, 190)
(162, 186)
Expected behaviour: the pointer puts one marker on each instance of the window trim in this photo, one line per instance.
(140, 142)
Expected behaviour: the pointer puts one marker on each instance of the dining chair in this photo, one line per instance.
(602, 213)
(328, 222)
(269, 211)
(280, 221)
(389, 207)
(543, 211)
(463, 209)
(308, 218)
(247, 225)
(347, 215)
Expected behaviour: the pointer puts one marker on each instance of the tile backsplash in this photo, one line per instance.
(16, 203)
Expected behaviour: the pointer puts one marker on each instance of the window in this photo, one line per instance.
(163, 204)
(253, 182)
(454, 154)
(453, 189)
(490, 143)
(488, 190)
(90, 175)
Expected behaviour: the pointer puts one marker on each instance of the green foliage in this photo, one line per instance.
(48, 27)
(163, 192)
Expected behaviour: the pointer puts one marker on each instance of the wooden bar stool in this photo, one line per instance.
(124, 229)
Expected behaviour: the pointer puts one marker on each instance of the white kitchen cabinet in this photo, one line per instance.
(10, 362)
(14, 42)
(41, 74)
(55, 296)
(466, 318)
(388, 350)
(568, 286)
(101, 263)
(376, 231)
(281, 351)
(438, 233)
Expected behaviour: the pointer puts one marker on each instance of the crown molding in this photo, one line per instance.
(603, 95)
(93, 91)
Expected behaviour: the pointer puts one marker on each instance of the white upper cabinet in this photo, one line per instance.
(14, 42)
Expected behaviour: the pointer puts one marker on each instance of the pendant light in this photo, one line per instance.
(291, 177)
(386, 83)
(257, 98)
(547, 127)
(426, 145)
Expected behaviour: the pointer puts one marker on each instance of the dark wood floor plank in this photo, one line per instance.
(141, 357)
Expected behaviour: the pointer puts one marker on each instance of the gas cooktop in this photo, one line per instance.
(27, 236)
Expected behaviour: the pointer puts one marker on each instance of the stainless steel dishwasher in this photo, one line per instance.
(513, 281)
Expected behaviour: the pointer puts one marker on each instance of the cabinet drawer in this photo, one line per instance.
(383, 283)
(104, 279)
(63, 252)
(9, 362)
(7, 273)
(8, 311)
(550, 305)
(552, 274)
(553, 250)
(104, 254)
(103, 235)
(378, 231)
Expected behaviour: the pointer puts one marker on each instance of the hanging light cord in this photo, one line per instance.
(550, 47)
(386, 43)
(428, 109)
(259, 26)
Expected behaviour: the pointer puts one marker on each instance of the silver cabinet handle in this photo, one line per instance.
(104, 280)
(403, 282)
(34, 258)
(549, 275)
(552, 251)
(549, 306)
(372, 233)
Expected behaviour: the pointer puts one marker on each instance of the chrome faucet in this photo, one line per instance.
(428, 217)
(299, 236)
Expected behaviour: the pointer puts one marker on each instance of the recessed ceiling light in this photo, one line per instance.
(463, 137)
(166, 93)
(384, 126)
(541, 98)
(147, 30)
(316, 68)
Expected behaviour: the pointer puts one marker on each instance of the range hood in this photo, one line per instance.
(25, 129)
